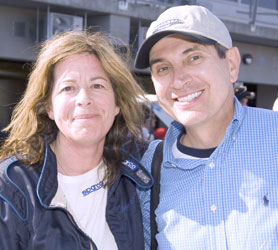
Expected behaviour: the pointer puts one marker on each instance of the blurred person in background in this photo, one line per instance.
(243, 95)
(150, 122)
(68, 178)
(159, 133)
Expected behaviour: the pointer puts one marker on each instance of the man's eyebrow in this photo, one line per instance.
(157, 60)
(194, 48)
(154, 61)
(189, 50)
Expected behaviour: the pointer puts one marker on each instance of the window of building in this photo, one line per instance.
(270, 4)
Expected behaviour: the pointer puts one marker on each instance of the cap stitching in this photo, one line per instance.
(167, 24)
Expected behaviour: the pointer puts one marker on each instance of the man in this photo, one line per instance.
(219, 174)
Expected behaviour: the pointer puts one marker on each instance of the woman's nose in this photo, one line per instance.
(83, 98)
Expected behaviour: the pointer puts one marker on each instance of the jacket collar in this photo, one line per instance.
(133, 169)
(48, 183)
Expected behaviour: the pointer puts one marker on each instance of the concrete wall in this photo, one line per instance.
(118, 26)
(18, 33)
(266, 96)
(264, 68)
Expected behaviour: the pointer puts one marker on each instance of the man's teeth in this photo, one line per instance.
(189, 97)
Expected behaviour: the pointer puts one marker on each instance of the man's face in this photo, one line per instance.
(193, 85)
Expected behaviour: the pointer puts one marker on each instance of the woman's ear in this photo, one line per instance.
(117, 110)
(49, 111)
(233, 57)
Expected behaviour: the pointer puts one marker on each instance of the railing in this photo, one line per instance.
(152, 3)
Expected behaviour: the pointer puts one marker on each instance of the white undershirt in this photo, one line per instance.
(87, 200)
(179, 154)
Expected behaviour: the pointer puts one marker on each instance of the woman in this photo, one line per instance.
(66, 181)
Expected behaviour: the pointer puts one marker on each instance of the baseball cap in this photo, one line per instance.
(195, 22)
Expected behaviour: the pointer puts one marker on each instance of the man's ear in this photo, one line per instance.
(233, 57)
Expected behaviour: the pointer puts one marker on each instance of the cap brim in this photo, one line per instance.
(142, 57)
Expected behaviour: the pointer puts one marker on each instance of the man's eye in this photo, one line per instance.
(159, 70)
(195, 58)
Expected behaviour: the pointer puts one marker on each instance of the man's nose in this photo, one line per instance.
(181, 77)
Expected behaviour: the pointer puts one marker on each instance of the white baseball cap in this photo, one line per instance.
(195, 22)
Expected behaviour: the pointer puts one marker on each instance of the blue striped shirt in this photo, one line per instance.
(226, 201)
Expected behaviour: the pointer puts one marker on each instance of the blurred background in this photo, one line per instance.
(24, 24)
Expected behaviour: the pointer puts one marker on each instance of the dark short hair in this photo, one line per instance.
(221, 50)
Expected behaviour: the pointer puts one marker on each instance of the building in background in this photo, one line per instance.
(253, 25)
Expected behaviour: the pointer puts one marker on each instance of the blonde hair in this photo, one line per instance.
(30, 123)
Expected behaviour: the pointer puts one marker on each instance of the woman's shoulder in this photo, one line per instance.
(15, 180)
(4, 165)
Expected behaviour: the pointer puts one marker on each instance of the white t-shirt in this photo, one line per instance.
(87, 199)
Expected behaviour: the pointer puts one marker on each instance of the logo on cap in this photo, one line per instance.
(167, 24)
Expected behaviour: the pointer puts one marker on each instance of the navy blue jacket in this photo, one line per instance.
(28, 221)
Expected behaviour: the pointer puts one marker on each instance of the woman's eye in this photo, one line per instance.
(97, 86)
(67, 89)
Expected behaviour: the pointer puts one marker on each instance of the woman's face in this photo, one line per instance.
(82, 101)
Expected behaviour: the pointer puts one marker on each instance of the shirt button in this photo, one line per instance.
(213, 208)
(234, 138)
(173, 165)
(211, 165)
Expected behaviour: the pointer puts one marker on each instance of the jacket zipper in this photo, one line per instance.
(75, 225)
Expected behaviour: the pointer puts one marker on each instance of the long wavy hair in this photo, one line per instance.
(30, 124)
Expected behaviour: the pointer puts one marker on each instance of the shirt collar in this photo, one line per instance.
(239, 112)
(177, 128)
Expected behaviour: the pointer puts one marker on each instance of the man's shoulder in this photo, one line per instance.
(258, 110)
(264, 115)
(261, 121)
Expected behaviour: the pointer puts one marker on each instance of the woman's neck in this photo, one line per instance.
(75, 159)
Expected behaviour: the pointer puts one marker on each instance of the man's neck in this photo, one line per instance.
(209, 134)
